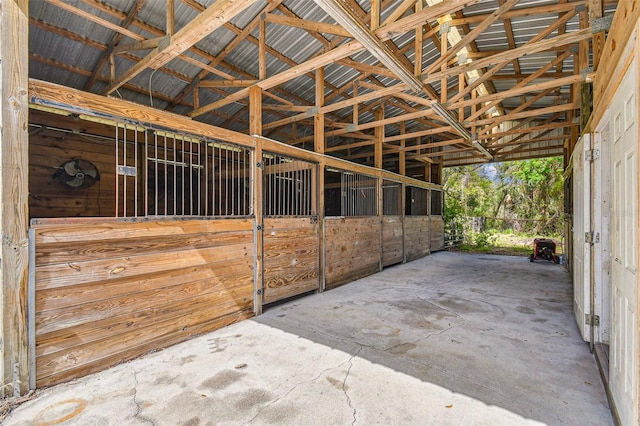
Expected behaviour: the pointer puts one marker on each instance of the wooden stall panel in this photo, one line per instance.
(416, 237)
(291, 257)
(110, 291)
(437, 233)
(56, 139)
(352, 246)
(392, 249)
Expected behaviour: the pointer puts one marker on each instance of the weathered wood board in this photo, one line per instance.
(291, 257)
(437, 233)
(352, 247)
(110, 291)
(416, 237)
(55, 139)
(392, 245)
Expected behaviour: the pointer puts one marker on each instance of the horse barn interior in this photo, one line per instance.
(173, 167)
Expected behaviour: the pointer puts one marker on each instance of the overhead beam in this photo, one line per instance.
(384, 33)
(345, 17)
(311, 26)
(202, 25)
(509, 55)
(471, 36)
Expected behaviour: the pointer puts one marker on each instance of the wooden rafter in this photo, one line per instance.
(201, 26)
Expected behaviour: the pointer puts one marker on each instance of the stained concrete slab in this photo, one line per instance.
(450, 339)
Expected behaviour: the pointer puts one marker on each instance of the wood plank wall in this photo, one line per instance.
(416, 237)
(352, 247)
(392, 245)
(437, 233)
(291, 257)
(50, 148)
(110, 291)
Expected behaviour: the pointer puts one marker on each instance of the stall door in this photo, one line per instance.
(581, 256)
(291, 235)
(622, 364)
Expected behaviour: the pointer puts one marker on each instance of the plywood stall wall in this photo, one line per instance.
(416, 237)
(436, 233)
(109, 291)
(352, 247)
(392, 241)
(291, 257)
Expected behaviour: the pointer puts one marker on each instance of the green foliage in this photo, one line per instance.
(520, 196)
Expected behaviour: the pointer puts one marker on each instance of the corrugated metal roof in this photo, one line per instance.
(289, 46)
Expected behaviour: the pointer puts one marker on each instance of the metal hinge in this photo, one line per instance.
(592, 320)
(259, 227)
(260, 164)
(591, 237)
(591, 154)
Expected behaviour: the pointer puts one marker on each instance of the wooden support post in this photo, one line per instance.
(196, 97)
(444, 44)
(355, 106)
(461, 82)
(378, 137)
(402, 156)
(596, 11)
(170, 18)
(436, 173)
(380, 201)
(418, 43)
(427, 172)
(474, 108)
(255, 128)
(262, 50)
(319, 146)
(319, 119)
(14, 178)
(375, 14)
(403, 206)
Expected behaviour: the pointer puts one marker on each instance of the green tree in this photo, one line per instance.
(526, 195)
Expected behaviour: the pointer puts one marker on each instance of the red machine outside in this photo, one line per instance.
(545, 249)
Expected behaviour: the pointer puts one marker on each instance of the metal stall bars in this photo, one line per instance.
(161, 173)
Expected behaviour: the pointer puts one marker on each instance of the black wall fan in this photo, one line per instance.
(77, 174)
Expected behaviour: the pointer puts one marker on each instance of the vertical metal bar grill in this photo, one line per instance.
(417, 201)
(391, 198)
(288, 186)
(181, 175)
(359, 194)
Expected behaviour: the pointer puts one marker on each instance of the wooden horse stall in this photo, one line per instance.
(173, 255)
(392, 223)
(352, 227)
(436, 231)
(108, 291)
(417, 223)
(291, 235)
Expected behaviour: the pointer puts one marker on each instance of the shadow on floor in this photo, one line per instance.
(497, 329)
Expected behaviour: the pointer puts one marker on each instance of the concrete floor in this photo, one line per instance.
(451, 339)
